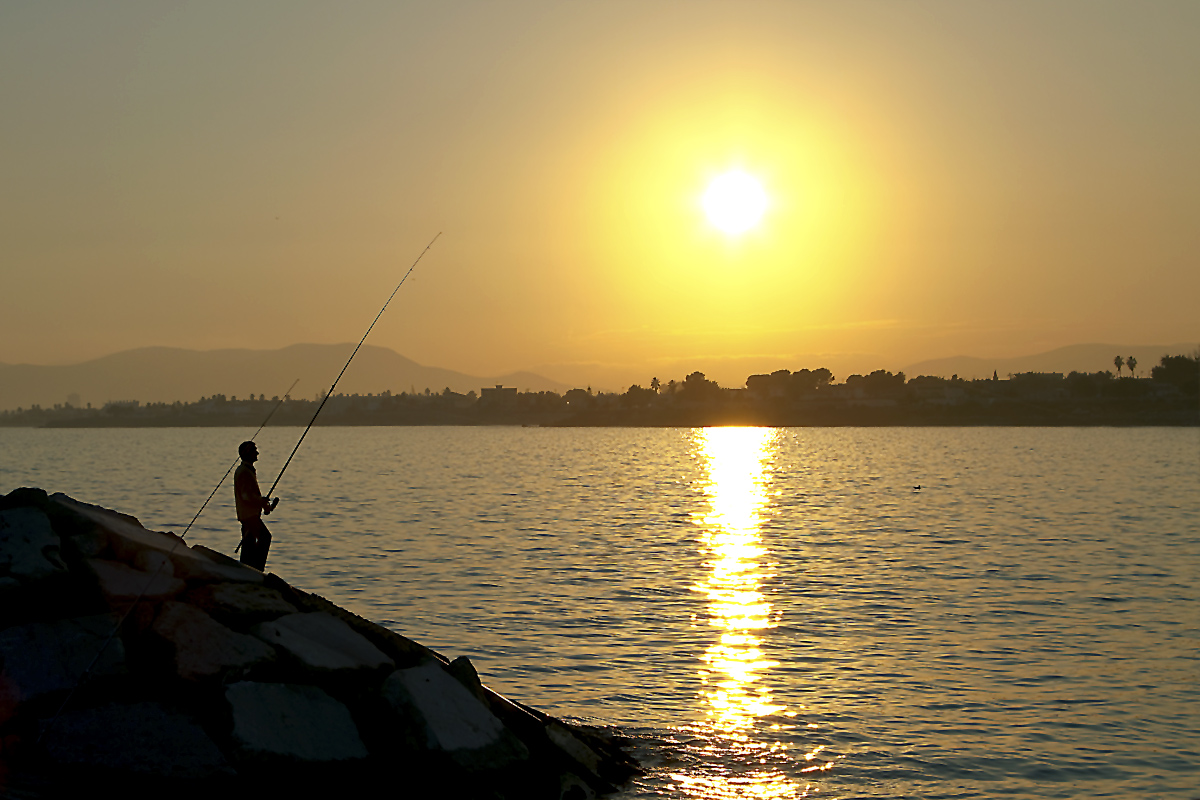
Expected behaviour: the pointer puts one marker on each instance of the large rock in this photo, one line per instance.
(124, 535)
(45, 657)
(322, 641)
(121, 582)
(570, 744)
(126, 539)
(240, 602)
(227, 565)
(203, 647)
(140, 738)
(155, 562)
(455, 721)
(291, 721)
(29, 547)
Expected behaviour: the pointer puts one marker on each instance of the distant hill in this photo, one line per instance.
(1074, 358)
(167, 374)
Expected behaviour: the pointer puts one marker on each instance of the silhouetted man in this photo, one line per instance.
(251, 505)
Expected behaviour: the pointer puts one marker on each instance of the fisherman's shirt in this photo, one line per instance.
(247, 497)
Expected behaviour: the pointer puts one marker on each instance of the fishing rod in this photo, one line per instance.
(351, 358)
(87, 672)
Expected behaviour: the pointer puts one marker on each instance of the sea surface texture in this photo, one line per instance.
(766, 613)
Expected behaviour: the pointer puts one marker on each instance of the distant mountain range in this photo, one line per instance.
(167, 374)
(1074, 358)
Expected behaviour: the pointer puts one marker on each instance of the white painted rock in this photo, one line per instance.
(204, 647)
(292, 721)
(123, 582)
(29, 547)
(456, 721)
(141, 738)
(45, 657)
(322, 641)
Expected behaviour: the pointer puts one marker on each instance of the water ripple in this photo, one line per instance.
(766, 614)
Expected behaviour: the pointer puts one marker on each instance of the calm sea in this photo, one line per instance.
(768, 613)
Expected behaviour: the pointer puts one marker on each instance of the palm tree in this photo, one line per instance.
(1132, 363)
(655, 385)
(1118, 362)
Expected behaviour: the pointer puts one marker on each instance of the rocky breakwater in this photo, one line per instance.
(224, 681)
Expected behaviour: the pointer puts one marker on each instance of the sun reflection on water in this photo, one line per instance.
(735, 463)
(736, 479)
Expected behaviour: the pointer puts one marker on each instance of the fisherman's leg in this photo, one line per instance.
(248, 548)
(262, 546)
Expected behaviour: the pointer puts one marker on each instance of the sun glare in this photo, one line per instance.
(734, 202)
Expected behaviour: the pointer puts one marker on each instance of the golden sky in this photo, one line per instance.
(944, 178)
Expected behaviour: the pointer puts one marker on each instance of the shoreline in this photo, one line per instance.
(865, 418)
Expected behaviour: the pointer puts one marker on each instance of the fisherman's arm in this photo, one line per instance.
(268, 505)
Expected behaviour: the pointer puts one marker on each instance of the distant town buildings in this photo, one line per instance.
(1170, 395)
(500, 396)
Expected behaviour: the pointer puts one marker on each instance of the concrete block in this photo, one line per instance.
(456, 722)
(322, 641)
(202, 646)
(29, 547)
(46, 657)
(292, 721)
(139, 738)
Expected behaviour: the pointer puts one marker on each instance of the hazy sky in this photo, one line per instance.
(984, 178)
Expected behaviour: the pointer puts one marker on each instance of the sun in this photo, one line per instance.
(735, 202)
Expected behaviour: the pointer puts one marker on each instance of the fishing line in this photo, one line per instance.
(343, 372)
(141, 595)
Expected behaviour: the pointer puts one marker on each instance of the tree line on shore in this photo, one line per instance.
(1171, 394)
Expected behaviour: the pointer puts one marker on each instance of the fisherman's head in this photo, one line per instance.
(248, 451)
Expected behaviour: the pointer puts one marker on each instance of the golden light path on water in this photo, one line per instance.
(736, 479)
